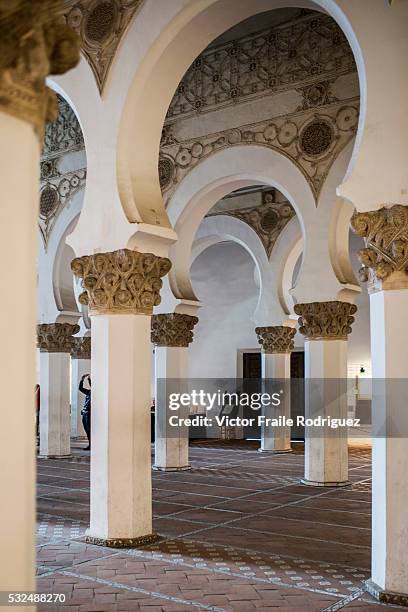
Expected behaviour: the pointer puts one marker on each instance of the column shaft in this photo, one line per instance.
(326, 449)
(54, 405)
(276, 366)
(121, 492)
(171, 443)
(19, 162)
(389, 354)
(79, 367)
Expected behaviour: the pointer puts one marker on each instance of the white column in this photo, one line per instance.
(326, 449)
(121, 289)
(79, 367)
(121, 491)
(19, 163)
(171, 443)
(276, 366)
(389, 354)
(326, 326)
(54, 405)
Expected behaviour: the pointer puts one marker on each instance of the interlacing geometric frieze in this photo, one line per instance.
(268, 220)
(56, 337)
(33, 44)
(101, 25)
(81, 348)
(173, 329)
(325, 320)
(276, 339)
(303, 51)
(385, 232)
(312, 140)
(121, 282)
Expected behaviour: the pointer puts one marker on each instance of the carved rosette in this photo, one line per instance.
(121, 282)
(101, 25)
(33, 44)
(173, 329)
(276, 339)
(325, 320)
(56, 337)
(385, 257)
(81, 348)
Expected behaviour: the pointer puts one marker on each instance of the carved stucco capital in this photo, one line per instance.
(276, 339)
(325, 320)
(174, 329)
(385, 258)
(56, 337)
(33, 44)
(81, 348)
(121, 282)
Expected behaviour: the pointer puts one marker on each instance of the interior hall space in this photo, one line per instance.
(204, 236)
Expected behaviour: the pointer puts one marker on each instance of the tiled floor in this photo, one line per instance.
(238, 533)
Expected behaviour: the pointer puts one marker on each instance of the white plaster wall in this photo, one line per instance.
(223, 279)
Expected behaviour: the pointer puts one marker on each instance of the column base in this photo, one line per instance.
(122, 542)
(158, 468)
(387, 597)
(315, 483)
(55, 456)
(275, 452)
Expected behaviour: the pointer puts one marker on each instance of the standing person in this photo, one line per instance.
(86, 410)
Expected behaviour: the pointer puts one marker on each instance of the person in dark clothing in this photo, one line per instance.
(86, 410)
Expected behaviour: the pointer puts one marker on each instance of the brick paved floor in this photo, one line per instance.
(238, 533)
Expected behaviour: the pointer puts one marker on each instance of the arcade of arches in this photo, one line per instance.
(223, 203)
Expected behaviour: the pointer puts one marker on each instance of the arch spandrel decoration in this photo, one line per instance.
(267, 219)
(101, 24)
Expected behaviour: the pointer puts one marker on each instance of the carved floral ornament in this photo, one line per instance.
(325, 320)
(276, 339)
(34, 43)
(81, 348)
(121, 282)
(386, 237)
(56, 337)
(174, 329)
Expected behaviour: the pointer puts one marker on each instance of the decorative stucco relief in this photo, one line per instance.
(101, 25)
(312, 140)
(267, 219)
(303, 51)
(62, 135)
(57, 187)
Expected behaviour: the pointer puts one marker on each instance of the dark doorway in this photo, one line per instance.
(297, 375)
(251, 365)
(252, 375)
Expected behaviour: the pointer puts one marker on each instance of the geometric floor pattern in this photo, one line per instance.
(238, 532)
